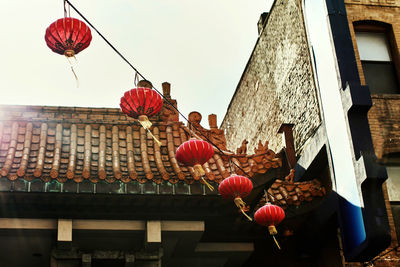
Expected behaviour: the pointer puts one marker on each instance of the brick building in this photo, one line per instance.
(375, 32)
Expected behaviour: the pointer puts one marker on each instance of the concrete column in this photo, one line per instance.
(64, 230)
(152, 236)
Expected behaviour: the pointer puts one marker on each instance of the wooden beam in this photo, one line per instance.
(182, 226)
(287, 130)
(16, 223)
(224, 247)
(117, 225)
(121, 225)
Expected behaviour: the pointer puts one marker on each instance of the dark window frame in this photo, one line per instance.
(373, 26)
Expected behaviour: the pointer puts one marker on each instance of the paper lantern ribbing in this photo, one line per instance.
(236, 187)
(270, 215)
(195, 153)
(68, 36)
(141, 103)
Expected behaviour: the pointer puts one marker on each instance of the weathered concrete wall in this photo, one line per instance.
(277, 85)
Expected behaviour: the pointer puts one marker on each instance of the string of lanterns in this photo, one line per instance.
(69, 36)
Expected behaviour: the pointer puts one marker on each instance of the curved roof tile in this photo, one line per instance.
(65, 143)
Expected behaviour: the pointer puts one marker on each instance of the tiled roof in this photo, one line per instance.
(70, 143)
(287, 192)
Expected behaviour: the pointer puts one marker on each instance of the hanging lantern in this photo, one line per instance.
(236, 187)
(270, 215)
(68, 36)
(141, 103)
(195, 153)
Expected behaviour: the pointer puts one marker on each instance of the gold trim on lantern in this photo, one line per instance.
(69, 53)
(272, 230)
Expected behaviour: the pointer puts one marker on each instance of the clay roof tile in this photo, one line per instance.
(64, 143)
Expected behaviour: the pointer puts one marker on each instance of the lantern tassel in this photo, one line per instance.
(155, 138)
(242, 206)
(207, 184)
(272, 231)
(199, 171)
(276, 242)
(68, 55)
(144, 121)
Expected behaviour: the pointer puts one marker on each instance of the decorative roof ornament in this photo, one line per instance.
(270, 215)
(237, 187)
(195, 153)
(141, 103)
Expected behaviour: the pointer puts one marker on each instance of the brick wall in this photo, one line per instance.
(384, 116)
(72, 114)
(277, 85)
(384, 120)
(387, 11)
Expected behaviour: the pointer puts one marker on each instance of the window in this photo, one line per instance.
(392, 162)
(393, 182)
(378, 61)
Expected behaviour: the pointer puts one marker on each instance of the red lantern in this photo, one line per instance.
(236, 187)
(141, 103)
(195, 153)
(68, 36)
(270, 215)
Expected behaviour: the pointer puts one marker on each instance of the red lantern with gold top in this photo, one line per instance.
(236, 187)
(270, 215)
(141, 103)
(68, 36)
(195, 153)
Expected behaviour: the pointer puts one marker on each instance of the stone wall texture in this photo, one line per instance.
(277, 85)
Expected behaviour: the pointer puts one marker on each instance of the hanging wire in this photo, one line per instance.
(139, 74)
(230, 165)
(65, 9)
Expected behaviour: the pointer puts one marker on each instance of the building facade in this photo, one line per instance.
(375, 32)
(297, 89)
(90, 187)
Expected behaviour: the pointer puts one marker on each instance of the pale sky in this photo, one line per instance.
(200, 47)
